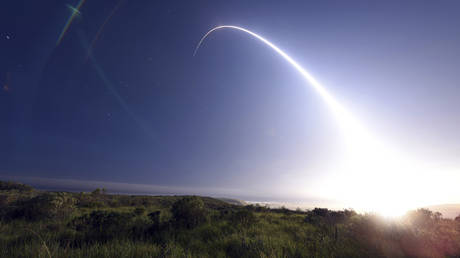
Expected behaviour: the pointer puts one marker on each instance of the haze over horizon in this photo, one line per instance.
(116, 96)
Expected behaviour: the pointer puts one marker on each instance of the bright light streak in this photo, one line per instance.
(371, 176)
(336, 107)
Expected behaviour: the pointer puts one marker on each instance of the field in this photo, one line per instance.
(37, 223)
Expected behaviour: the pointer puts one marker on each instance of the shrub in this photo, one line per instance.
(423, 218)
(244, 217)
(319, 216)
(5, 186)
(139, 211)
(189, 212)
(46, 206)
(155, 218)
(103, 225)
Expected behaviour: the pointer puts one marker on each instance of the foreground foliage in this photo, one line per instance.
(58, 224)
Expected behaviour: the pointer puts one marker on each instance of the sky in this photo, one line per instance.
(117, 95)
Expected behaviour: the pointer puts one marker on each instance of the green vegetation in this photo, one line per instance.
(60, 224)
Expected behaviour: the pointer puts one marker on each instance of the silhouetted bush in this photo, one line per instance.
(96, 192)
(155, 218)
(46, 206)
(103, 225)
(260, 208)
(189, 212)
(92, 200)
(319, 216)
(423, 218)
(14, 186)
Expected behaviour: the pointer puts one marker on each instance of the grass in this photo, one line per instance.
(46, 224)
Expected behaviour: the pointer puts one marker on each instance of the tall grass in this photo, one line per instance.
(43, 224)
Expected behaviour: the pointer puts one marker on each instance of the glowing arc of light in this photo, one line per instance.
(345, 118)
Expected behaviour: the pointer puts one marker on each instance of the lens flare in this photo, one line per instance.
(74, 10)
(371, 175)
(99, 31)
(112, 89)
(75, 13)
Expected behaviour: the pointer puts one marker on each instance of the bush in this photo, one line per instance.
(325, 216)
(244, 218)
(155, 218)
(92, 200)
(189, 212)
(103, 225)
(139, 211)
(5, 186)
(46, 206)
(178, 227)
(423, 218)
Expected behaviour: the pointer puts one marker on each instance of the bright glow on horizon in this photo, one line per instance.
(372, 176)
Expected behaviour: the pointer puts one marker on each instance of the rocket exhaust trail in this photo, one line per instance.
(345, 118)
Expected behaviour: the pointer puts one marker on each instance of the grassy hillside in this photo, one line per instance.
(59, 224)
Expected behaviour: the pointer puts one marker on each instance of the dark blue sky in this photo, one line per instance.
(143, 110)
